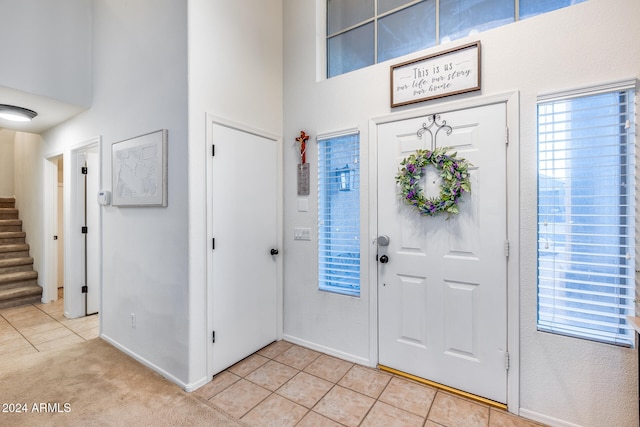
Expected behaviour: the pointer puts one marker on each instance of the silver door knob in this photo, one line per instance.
(383, 240)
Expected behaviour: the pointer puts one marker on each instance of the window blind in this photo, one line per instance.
(339, 214)
(586, 215)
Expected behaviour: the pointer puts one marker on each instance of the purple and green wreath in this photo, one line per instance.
(455, 181)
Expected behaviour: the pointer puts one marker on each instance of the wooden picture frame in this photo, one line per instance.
(139, 170)
(447, 73)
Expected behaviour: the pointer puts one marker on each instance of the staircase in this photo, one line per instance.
(18, 280)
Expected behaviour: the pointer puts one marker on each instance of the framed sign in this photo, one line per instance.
(140, 170)
(447, 73)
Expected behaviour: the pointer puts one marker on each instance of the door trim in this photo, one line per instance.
(212, 120)
(512, 102)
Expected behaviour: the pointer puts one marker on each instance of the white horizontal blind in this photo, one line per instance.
(586, 215)
(339, 214)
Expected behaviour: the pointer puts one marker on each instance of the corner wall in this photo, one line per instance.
(563, 381)
(140, 86)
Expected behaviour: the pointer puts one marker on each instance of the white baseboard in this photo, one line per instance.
(330, 351)
(146, 363)
(553, 422)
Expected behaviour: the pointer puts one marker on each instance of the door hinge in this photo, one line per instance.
(506, 135)
(213, 336)
(506, 248)
(506, 361)
(213, 150)
(85, 289)
(213, 243)
(84, 230)
(84, 170)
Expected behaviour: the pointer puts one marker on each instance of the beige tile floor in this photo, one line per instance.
(281, 385)
(40, 327)
(287, 385)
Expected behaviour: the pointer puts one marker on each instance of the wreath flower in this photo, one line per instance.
(455, 181)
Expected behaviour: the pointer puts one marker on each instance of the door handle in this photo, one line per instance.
(383, 240)
(274, 252)
(384, 259)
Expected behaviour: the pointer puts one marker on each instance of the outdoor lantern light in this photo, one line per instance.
(16, 114)
(344, 178)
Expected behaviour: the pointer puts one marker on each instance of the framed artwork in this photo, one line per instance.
(139, 170)
(447, 73)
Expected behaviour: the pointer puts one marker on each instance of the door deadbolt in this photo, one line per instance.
(384, 259)
(274, 252)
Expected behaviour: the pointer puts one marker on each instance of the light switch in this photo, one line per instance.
(301, 233)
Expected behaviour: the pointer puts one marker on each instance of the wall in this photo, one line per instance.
(562, 380)
(235, 73)
(140, 86)
(46, 48)
(6, 162)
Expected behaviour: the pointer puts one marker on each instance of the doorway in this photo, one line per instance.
(80, 229)
(244, 255)
(442, 294)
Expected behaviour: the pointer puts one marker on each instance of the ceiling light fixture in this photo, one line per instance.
(16, 114)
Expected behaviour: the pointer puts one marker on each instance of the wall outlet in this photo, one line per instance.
(133, 320)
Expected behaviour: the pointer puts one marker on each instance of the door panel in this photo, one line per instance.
(442, 295)
(93, 232)
(244, 226)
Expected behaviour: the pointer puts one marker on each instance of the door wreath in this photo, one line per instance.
(455, 181)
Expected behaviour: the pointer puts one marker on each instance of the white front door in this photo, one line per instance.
(443, 292)
(92, 242)
(243, 270)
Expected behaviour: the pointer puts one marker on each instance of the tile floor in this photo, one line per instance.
(281, 385)
(287, 385)
(40, 327)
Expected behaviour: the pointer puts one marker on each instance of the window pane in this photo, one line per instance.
(387, 5)
(530, 8)
(406, 31)
(586, 216)
(343, 14)
(339, 215)
(459, 18)
(350, 51)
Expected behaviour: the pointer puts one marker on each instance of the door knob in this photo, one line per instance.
(274, 252)
(384, 259)
(383, 240)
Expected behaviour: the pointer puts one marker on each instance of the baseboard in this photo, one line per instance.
(330, 351)
(196, 385)
(550, 421)
(145, 362)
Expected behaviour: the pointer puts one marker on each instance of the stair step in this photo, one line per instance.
(20, 276)
(14, 251)
(7, 202)
(10, 237)
(8, 213)
(20, 295)
(10, 225)
(14, 265)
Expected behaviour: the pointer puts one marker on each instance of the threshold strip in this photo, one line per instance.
(445, 388)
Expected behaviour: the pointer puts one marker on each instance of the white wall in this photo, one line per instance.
(235, 73)
(140, 86)
(562, 380)
(46, 48)
(6, 162)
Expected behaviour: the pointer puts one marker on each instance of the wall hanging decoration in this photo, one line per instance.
(453, 171)
(139, 170)
(303, 166)
(447, 73)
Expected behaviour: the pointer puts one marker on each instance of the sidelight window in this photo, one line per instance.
(339, 214)
(586, 213)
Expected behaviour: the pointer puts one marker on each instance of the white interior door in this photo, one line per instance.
(443, 292)
(92, 213)
(243, 271)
